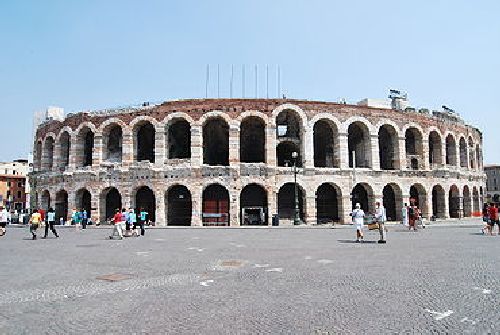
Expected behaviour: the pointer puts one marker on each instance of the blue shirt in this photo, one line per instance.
(132, 217)
(144, 215)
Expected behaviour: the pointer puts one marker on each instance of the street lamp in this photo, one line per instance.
(296, 218)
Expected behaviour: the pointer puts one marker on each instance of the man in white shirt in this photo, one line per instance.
(4, 217)
(380, 217)
(358, 217)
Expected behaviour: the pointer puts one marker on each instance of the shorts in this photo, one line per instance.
(3, 224)
(493, 222)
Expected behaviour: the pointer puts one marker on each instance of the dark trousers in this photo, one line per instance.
(52, 228)
(84, 223)
(141, 224)
(33, 228)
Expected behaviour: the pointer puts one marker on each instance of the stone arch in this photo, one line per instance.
(45, 203)
(290, 132)
(112, 136)
(178, 135)
(38, 155)
(358, 138)
(254, 205)
(110, 200)
(64, 149)
(85, 143)
(328, 203)
(144, 134)
(454, 202)
(48, 152)
(419, 196)
(215, 205)
(438, 202)
(179, 206)
(145, 199)
(463, 152)
(476, 202)
(253, 140)
(326, 143)
(286, 202)
(278, 110)
(61, 205)
(388, 142)
(83, 201)
(435, 149)
(414, 148)
(392, 198)
(216, 141)
(363, 194)
(467, 201)
(451, 150)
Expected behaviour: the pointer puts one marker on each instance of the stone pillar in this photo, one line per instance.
(160, 145)
(57, 161)
(272, 201)
(196, 146)
(95, 205)
(343, 151)
(310, 214)
(127, 148)
(98, 152)
(425, 147)
(271, 146)
(345, 214)
(75, 150)
(429, 205)
(196, 198)
(446, 205)
(234, 144)
(401, 159)
(234, 205)
(71, 203)
(375, 158)
(443, 153)
(308, 147)
(160, 208)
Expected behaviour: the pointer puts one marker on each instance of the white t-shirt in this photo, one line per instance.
(4, 216)
(380, 214)
(51, 216)
(358, 216)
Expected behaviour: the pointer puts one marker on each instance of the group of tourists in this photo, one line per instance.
(38, 217)
(131, 220)
(379, 219)
(79, 217)
(490, 218)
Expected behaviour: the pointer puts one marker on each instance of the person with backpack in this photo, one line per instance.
(358, 217)
(380, 218)
(50, 222)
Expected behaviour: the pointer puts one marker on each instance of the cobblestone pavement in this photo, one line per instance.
(251, 281)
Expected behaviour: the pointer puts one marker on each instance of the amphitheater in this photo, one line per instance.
(230, 162)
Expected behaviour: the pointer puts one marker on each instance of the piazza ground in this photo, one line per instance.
(444, 279)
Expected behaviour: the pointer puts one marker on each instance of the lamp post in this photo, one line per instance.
(296, 218)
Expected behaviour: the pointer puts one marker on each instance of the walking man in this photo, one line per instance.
(117, 227)
(133, 221)
(35, 220)
(143, 217)
(4, 217)
(380, 217)
(404, 214)
(85, 219)
(50, 222)
(358, 217)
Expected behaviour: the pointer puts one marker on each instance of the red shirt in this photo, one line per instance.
(493, 211)
(117, 218)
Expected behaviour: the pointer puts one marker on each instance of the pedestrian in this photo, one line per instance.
(380, 218)
(404, 214)
(143, 217)
(358, 217)
(4, 217)
(35, 220)
(126, 216)
(78, 219)
(493, 218)
(74, 216)
(486, 218)
(412, 216)
(85, 219)
(117, 226)
(50, 223)
(133, 221)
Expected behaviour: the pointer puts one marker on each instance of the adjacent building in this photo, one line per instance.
(492, 182)
(14, 188)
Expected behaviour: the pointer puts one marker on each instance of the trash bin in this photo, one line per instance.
(276, 220)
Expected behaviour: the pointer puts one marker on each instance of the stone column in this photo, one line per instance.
(98, 152)
(310, 214)
(402, 160)
(271, 145)
(196, 198)
(160, 208)
(234, 144)
(71, 204)
(308, 147)
(446, 205)
(272, 200)
(160, 145)
(75, 149)
(127, 148)
(443, 153)
(95, 205)
(196, 146)
(425, 156)
(234, 205)
(57, 159)
(345, 215)
(343, 151)
(429, 205)
(375, 158)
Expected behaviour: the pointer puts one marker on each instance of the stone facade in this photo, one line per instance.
(213, 157)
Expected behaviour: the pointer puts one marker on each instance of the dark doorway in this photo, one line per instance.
(179, 139)
(252, 140)
(389, 202)
(49, 153)
(388, 147)
(284, 152)
(286, 202)
(324, 145)
(451, 151)
(84, 201)
(113, 144)
(463, 153)
(64, 150)
(88, 147)
(145, 200)
(454, 202)
(327, 204)
(62, 205)
(179, 206)
(145, 144)
(216, 142)
(112, 202)
(253, 205)
(359, 142)
(435, 152)
(467, 202)
(360, 195)
(215, 207)
(438, 204)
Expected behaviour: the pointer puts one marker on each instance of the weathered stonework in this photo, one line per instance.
(453, 172)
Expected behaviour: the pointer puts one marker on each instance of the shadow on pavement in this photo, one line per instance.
(354, 242)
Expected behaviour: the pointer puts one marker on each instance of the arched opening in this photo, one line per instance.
(84, 201)
(476, 202)
(388, 147)
(454, 202)
(288, 136)
(414, 148)
(38, 155)
(253, 205)
(45, 200)
(419, 198)
(215, 206)
(61, 205)
(435, 149)
(451, 151)
(145, 200)
(392, 199)
(49, 153)
(359, 142)
(284, 152)
(479, 158)
(113, 144)
(179, 206)
(328, 202)
(286, 202)
(110, 202)
(179, 139)
(438, 204)
(252, 140)
(144, 142)
(64, 147)
(216, 142)
(463, 153)
(325, 144)
(467, 202)
(472, 155)
(363, 194)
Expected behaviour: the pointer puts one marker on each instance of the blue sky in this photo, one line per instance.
(97, 54)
